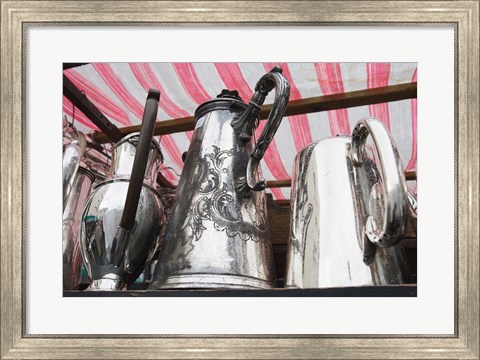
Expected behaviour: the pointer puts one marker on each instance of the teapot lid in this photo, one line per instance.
(226, 100)
(133, 139)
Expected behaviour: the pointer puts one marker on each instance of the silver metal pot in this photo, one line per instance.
(123, 217)
(347, 216)
(217, 235)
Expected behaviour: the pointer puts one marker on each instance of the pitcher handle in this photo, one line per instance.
(136, 179)
(395, 189)
(246, 122)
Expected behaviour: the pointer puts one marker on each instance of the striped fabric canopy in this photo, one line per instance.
(119, 91)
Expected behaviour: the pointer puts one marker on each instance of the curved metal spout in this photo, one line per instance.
(138, 173)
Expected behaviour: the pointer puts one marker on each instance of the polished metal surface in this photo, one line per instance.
(167, 196)
(72, 258)
(72, 156)
(412, 201)
(333, 198)
(102, 215)
(96, 165)
(386, 229)
(217, 235)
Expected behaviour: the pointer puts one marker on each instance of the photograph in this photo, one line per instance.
(326, 200)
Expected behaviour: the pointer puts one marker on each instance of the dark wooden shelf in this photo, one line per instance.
(361, 291)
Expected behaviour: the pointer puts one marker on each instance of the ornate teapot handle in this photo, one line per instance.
(247, 121)
(395, 190)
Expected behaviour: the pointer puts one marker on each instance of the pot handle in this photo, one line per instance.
(395, 203)
(138, 173)
(247, 121)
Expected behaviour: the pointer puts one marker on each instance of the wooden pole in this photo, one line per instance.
(409, 175)
(295, 107)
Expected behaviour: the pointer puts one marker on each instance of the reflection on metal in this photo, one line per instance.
(72, 259)
(217, 235)
(347, 216)
(75, 144)
(412, 200)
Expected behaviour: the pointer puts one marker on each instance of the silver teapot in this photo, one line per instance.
(217, 235)
(348, 215)
(123, 216)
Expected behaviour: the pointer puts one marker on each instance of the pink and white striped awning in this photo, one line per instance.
(119, 91)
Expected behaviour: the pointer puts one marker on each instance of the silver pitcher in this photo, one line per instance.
(72, 258)
(123, 217)
(72, 155)
(217, 235)
(347, 216)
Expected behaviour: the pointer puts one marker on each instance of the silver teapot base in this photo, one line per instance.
(211, 281)
(107, 284)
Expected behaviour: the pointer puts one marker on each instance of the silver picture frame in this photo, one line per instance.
(16, 17)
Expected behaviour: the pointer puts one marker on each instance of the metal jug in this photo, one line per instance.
(347, 216)
(217, 235)
(72, 259)
(72, 155)
(123, 217)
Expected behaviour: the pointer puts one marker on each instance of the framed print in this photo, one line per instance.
(253, 270)
(442, 321)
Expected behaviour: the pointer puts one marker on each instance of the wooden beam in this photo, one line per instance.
(295, 107)
(283, 202)
(279, 183)
(67, 66)
(347, 100)
(409, 175)
(80, 100)
(161, 128)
